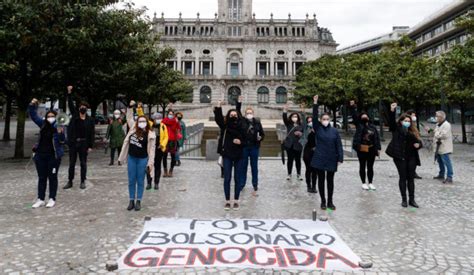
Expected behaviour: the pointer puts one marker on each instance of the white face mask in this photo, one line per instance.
(249, 116)
(310, 124)
(325, 123)
(142, 125)
(51, 120)
(413, 118)
(294, 119)
(158, 121)
(117, 116)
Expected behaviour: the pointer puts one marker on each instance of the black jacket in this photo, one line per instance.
(292, 141)
(360, 126)
(310, 146)
(252, 129)
(89, 125)
(400, 137)
(226, 146)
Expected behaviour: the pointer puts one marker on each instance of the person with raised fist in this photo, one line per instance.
(403, 147)
(48, 152)
(80, 136)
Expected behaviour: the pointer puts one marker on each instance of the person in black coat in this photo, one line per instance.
(403, 149)
(254, 136)
(230, 147)
(366, 143)
(292, 144)
(80, 137)
(308, 152)
(327, 156)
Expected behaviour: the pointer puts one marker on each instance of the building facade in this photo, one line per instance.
(438, 33)
(375, 44)
(236, 54)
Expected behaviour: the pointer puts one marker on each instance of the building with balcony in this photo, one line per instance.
(235, 53)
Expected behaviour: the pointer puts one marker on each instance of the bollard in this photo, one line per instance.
(365, 265)
(315, 215)
(111, 266)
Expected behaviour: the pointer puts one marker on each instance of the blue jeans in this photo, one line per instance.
(253, 153)
(236, 165)
(136, 176)
(445, 164)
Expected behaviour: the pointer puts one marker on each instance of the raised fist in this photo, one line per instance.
(393, 106)
(352, 103)
(315, 99)
(69, 89)
(132, 103)
(34, 101)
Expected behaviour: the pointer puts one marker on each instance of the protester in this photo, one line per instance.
(291, 143)
(174, 134)
(80, 136)
(182, 140)
(402, 148)
(115, 135)
(414, 120)
(366, 142)
(254, 136)
(443, 138)
(230, 147)
(310, 146)
(161, 133)
(47, 154)
(327, 156)
(139, 152)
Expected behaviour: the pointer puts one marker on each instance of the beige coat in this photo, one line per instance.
(444, 134)
(151, 144)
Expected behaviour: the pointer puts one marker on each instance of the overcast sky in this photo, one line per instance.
(350, 21)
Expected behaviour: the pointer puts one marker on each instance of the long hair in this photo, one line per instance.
(141, 132)
(412, 129)
(298, 116)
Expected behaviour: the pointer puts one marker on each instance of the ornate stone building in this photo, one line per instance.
(236, 54)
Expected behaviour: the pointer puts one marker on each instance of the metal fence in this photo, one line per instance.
(193, 143)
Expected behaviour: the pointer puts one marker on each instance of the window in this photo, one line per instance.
(233, 94)
(206, 68)
(234, 69)
(205, 94)
(280, 68)
(206, 52)
(263, 52)
(298, 65)
(188, 51)
(262, 68)
(170, 64)
(281, 52)
(438, 30)
(299, 52)
(263, 95)
(449, 25)
(235, 9)
(281, 95)
(188, 68)
(427, 36)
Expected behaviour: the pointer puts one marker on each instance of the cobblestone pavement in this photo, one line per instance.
(89, 227)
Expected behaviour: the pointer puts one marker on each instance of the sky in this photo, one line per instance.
(350, 21)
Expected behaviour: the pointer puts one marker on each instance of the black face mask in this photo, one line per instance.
(365, 120)
(83, 110)
(233, 119)
(180, 118)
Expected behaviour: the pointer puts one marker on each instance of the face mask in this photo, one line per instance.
(117, 116)
(406, 124)
(325, 123)
(83, 110)
(170, 116)
(249, 116)
(310, 124)
(158, 121)
(365, 119)
(233, 119)
(294, 119)
(142, 125)
(413, 118)
(179, 118)
(51, 120)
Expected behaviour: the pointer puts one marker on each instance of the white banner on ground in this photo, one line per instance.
(253, 243)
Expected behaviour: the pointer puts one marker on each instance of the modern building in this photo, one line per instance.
(438, 33)
(235, 53)
(374, 45)
(433, 36)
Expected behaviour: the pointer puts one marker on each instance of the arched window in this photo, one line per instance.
(205, 94)
(281, 95)
(233, 95)
(263, 95)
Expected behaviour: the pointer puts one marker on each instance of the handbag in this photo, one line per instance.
(364, 148)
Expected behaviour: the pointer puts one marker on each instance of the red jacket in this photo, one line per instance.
(174, 128)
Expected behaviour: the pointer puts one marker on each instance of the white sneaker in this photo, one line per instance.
(51, 203)
(288, 177)
(365, 186)
(372, 187)
(299, 177)
(38, 204)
